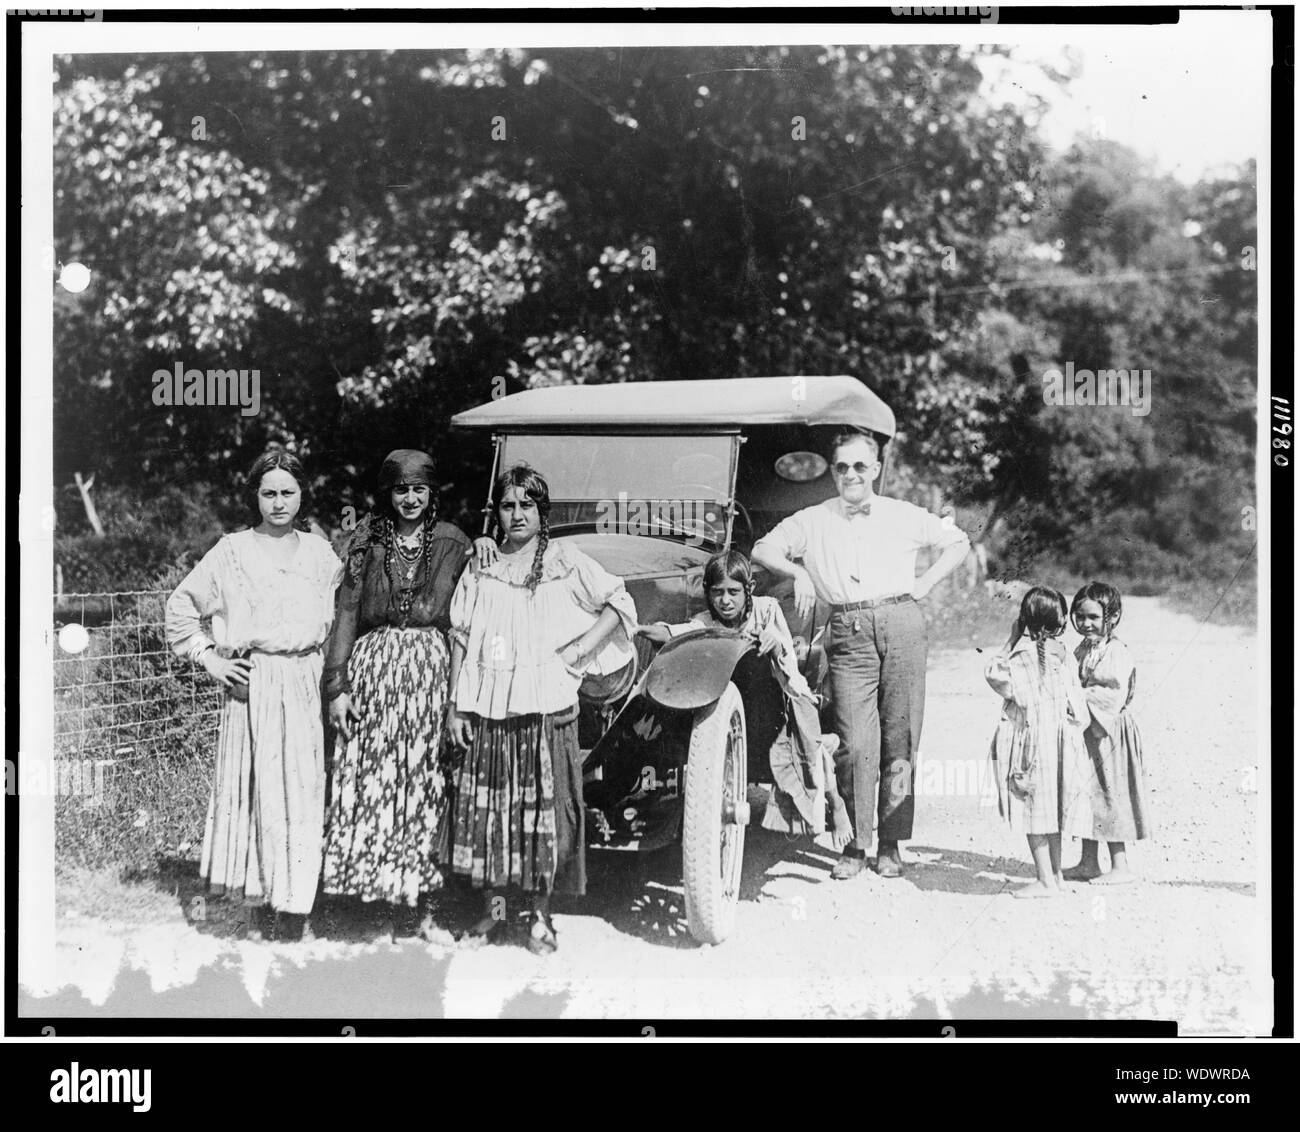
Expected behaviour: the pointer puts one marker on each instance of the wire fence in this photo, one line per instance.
(123, 693)
(135, 731)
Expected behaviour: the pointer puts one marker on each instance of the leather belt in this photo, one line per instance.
(851, 606)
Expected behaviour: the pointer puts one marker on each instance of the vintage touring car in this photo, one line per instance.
(652, 479)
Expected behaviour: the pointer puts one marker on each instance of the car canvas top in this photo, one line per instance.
(729, 403)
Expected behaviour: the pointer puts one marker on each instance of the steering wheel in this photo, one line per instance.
(743, 514)
(704, 491)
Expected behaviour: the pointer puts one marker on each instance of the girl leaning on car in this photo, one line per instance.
(525, 630)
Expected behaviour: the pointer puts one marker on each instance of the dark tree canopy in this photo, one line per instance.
(390, 237)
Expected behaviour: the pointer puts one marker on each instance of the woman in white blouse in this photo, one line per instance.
(269, 594)
(525, 630)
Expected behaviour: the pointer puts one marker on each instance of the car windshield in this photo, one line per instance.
(667, 486)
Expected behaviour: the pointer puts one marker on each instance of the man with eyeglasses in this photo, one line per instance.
(857, 553)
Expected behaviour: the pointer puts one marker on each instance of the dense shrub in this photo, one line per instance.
(144, 535)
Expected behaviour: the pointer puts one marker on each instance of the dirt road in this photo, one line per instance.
(1188, 942)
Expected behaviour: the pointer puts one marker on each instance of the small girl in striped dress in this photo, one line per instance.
(1109, 679)
(1040, 761)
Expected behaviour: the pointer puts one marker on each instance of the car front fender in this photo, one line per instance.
(691, 672)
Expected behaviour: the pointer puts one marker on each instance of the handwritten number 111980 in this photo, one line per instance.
(1282, 427)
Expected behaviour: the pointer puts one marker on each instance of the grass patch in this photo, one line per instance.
(1218, 597)
(960, 617)
(1218, 602)
(104, 894)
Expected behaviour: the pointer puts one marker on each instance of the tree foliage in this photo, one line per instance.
(390, 237)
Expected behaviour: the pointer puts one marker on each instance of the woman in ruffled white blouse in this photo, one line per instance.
(525, 630)
(269, 592)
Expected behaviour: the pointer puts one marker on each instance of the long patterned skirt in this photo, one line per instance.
(519, 816)
(389, 795)
(262, 838)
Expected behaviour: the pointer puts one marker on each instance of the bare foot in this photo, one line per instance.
(843, 831)
(1116, 876)
(1081, 872)
(1036, 891)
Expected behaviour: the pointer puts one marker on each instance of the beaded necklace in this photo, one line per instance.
(404, 572)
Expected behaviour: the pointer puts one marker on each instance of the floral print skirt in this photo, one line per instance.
(389, 785)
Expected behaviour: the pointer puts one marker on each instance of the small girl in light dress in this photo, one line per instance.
(1109, 678)
(1041, 765)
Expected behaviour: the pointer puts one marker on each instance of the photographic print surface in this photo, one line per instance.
(582, 522)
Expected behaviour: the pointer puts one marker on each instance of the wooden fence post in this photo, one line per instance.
(92, 515)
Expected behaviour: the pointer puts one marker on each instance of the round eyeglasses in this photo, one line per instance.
(842, 469)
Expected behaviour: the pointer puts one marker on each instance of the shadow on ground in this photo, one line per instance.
(933, 869)
(341, 919)
(641, 894)
(638, 894)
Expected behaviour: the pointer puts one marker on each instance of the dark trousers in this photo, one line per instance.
(877, 678)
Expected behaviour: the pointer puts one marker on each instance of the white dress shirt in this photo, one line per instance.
(856, 556)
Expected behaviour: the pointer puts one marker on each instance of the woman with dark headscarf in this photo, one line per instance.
(386, 675)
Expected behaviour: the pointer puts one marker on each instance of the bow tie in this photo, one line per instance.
(851, 509)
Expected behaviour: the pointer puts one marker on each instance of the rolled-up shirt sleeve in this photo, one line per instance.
(789, 538)
(939, 533)
(598, 588)
(196, 598)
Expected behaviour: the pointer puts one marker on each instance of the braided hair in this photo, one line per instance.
(404, 595)
(533, 485)
(730, 566)
(1107, 597)
(1042, 616)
